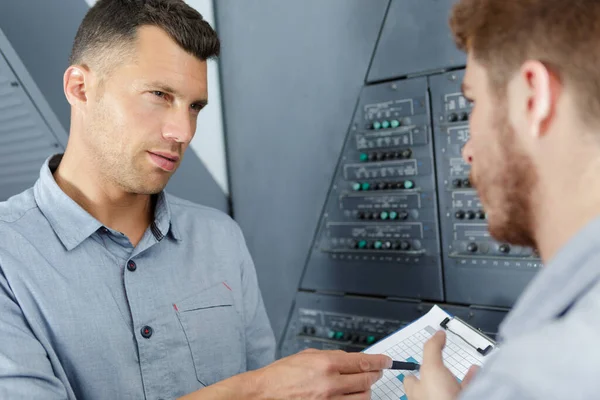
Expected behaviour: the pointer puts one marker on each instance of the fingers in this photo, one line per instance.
(432, 352)
(469, 376)
(352, 363)
(411, 386)
(355, 383)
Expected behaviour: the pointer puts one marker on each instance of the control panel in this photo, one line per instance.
(382, 207)
(352, 324)
(477, 269)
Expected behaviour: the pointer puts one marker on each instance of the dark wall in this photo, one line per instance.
(291, 75)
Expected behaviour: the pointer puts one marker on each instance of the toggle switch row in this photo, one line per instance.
(386, 156)
(368, 186)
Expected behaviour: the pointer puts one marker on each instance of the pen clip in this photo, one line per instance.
(483, 352)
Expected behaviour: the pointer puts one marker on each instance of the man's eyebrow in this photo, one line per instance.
(168, 89)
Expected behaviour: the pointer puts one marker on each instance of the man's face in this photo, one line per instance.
(501, 170)
(143, 117)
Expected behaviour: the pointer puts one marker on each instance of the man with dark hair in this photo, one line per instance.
(109, 287)
(533, 77)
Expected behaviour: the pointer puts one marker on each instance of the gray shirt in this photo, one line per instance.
(550, 342)
(86, 315)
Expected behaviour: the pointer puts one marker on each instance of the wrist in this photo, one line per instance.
(247, 386)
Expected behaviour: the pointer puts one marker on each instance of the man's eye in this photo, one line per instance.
(158, 93)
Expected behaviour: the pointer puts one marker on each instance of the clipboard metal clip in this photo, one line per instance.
(485, 351)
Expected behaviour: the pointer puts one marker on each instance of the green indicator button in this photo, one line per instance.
(362, 244)
(385, 124)
(339, 335)
(371, 340)
(330, 334)
(376, 125)
(384, 215)
(395, 123)
(393, 215)
(356, 187)
(378, 244)
(365, 186)
(364, 157)
(409, 184)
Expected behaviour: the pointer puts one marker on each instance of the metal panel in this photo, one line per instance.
(42, 34)
(26, 137)
(291, 74)
(353, 323)
(379, 231)
(416, 38)
(477, 269)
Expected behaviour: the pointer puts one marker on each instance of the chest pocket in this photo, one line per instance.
(213, 329)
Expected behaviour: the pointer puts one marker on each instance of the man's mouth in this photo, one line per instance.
(166, 161)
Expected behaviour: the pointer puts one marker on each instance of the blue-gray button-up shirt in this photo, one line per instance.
(550, 345)
(86, 315)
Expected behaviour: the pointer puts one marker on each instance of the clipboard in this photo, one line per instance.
(471, 336)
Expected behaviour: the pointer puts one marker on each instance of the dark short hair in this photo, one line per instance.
(564, 35)
(110, 26)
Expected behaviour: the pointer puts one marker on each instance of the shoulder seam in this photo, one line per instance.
(20, 217)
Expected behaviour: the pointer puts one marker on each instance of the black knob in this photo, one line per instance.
(464, 116)
(397, 155)
(480, 215)
(452, 117)
(466, 183)
(362, 215)
(346, 336)
(380, 156)
(390, 156)
(387, 245)
(460, 214)
(470, 215)
(457, 183)
(472, 247)
(404, 245)
(504, 248)
(403, 215)
(354, 338)
(399, 185)
(372, 156)
(362, 339)
(374, 215)
(382, 186)
(353, 244)
(406, 153)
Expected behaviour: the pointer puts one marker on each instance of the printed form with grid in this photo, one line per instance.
(407, 345)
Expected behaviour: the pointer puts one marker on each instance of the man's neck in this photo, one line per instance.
(128, 213)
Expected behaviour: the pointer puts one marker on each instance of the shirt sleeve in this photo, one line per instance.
(260, 340)
(25, 370)
(494, 389)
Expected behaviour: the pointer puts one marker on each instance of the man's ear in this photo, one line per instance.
(535, 91)
(76, 84)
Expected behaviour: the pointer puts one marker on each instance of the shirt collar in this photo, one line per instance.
(71, 223)
(566, 277)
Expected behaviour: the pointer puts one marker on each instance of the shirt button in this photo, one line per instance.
(146, 332)
(104, 230)
(131, 265)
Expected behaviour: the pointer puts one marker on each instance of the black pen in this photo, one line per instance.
(407, 366)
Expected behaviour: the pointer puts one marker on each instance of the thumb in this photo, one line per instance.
(469, 376)
(432, 351)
